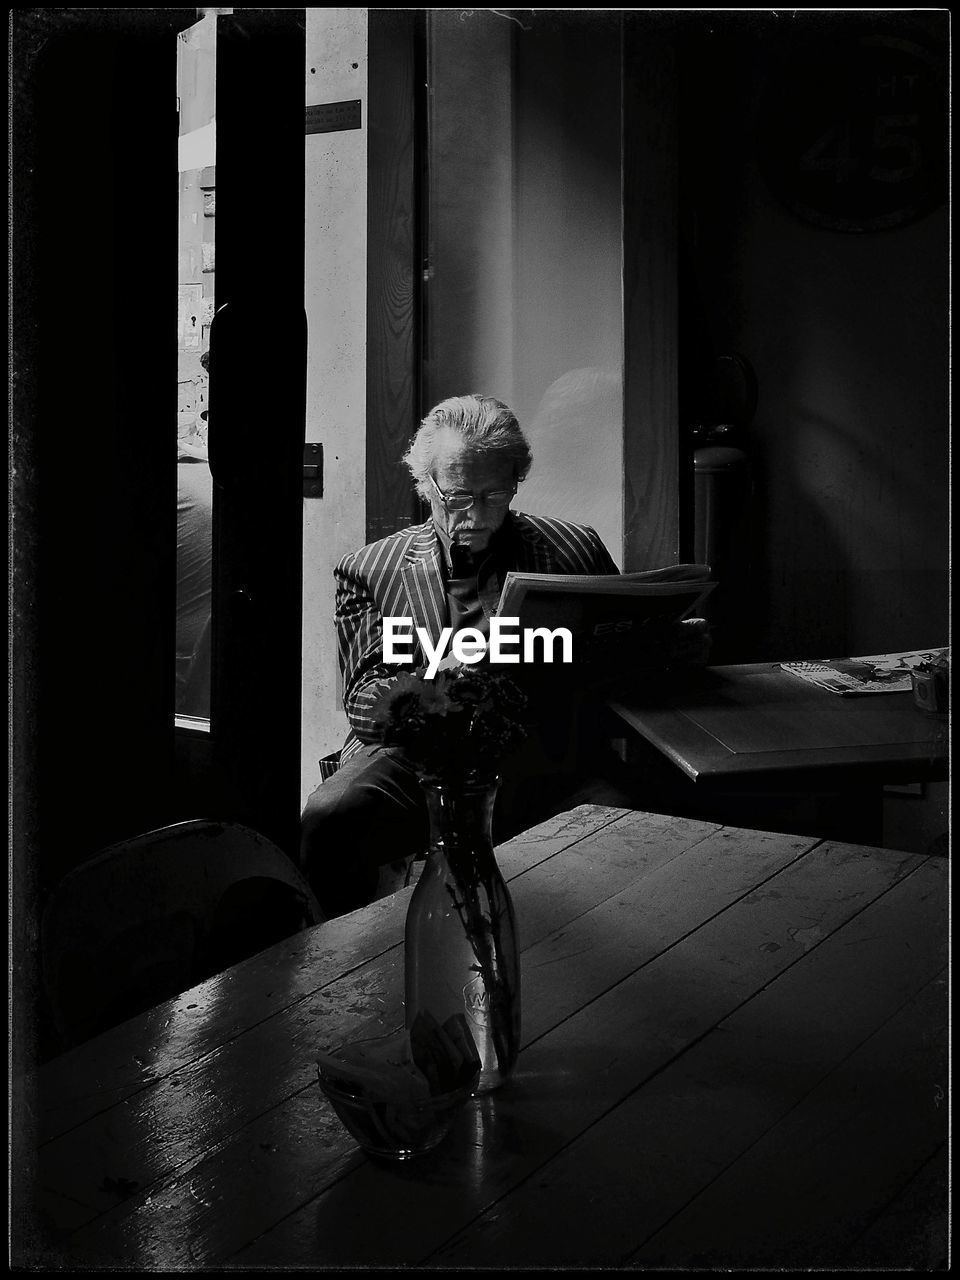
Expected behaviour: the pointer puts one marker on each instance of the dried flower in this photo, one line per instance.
(461, 723)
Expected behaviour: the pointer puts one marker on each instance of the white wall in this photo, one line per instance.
(568, 278)
(335, 288)
(524, 300)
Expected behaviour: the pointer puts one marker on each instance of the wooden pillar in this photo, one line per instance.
(651, 446)
(394, 262)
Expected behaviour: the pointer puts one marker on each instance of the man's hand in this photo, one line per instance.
(691, 643)
(672, 644)
(678, 644)
(449, 662)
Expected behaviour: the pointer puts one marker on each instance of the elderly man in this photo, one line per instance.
(467, 460)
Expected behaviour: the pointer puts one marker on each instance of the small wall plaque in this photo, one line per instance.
(329, 117)
(313, 470)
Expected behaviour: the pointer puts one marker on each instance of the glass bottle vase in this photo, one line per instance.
(460, 941)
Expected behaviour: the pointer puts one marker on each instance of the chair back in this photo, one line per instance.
(150, 917)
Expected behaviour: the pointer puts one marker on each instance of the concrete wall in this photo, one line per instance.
(469, 304)
(848, 335)
(524, 295)
(568, 288)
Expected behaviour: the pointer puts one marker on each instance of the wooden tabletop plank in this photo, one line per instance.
(572, 966)
(559, 890)
(646, 1160)
(165, 1129)
(166, 1126)
(103, 1071)
(852, 1143)
(194, 1220)
(572, 1076)
(914, 1227)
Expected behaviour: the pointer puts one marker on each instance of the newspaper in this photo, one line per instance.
(617, 620)
(874, 673)
(667, 594)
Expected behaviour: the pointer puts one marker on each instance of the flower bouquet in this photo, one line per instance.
(458, 726)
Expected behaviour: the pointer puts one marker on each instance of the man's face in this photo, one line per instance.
(458, 472)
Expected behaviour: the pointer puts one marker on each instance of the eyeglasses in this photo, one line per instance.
(464, 501)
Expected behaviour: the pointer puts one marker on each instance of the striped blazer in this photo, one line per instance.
(401, 576)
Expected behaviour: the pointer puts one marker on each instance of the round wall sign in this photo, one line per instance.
(853, 131)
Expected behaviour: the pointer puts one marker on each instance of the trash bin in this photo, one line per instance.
(721, 490)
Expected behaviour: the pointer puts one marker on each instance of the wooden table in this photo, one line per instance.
(734, 1055)
(755, 745)
(753, 722)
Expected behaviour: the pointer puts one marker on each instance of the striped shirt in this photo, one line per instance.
(401, 576)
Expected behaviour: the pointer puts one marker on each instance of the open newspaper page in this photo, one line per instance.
(618, 619)
(517, 584)
(874, 673)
